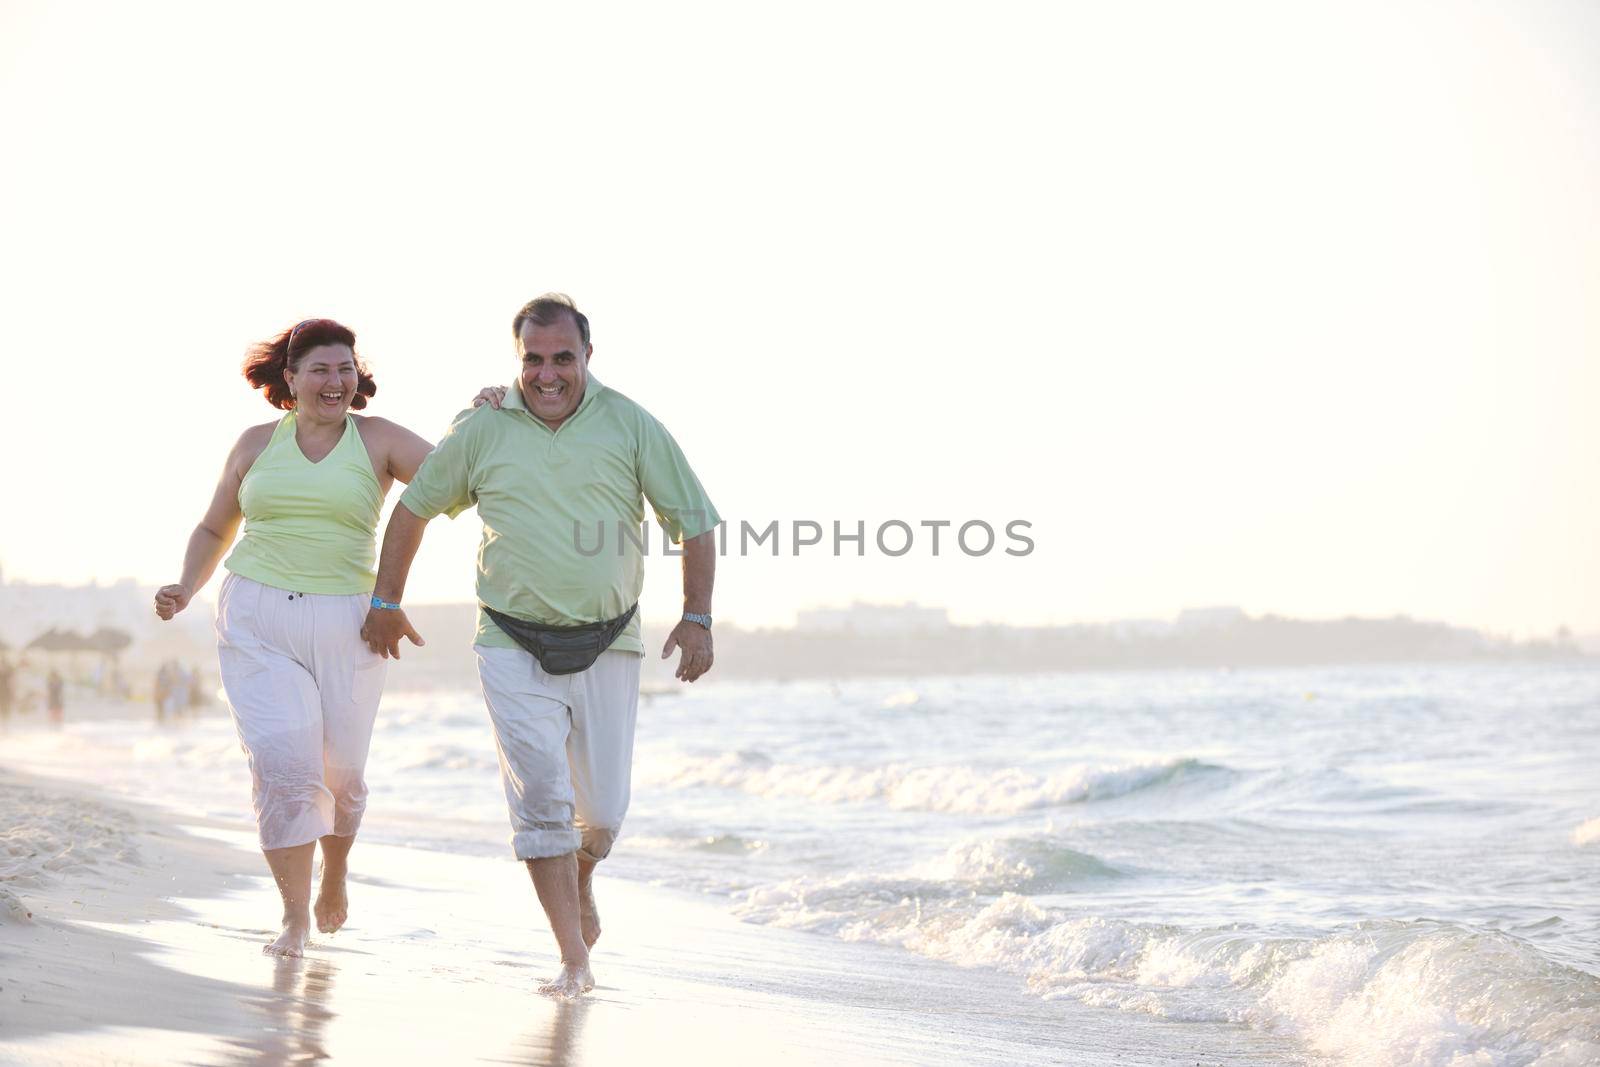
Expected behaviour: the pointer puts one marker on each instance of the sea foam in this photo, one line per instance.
(1385, 993)
(963, 789)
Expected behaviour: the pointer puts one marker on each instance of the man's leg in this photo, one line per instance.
(605, 705)
(555, 880)
(588, 913)
(531, 723)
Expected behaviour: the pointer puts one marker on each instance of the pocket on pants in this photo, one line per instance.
(238, 643)
(366, 685)
(347, 727)
(235, 613)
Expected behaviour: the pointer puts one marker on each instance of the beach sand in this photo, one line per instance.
(130, 935)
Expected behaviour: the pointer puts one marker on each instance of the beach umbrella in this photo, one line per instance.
(109, 642)
(109, 639)
(60, 641)
(54, 640)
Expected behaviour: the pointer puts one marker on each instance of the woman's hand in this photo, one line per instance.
(171, 599)
(490, 394)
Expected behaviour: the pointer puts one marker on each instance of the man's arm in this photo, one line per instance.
(386, 626)
(699, 574)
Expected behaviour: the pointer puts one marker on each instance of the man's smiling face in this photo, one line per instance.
(555, 368)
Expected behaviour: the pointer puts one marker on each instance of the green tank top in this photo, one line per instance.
(309, 527)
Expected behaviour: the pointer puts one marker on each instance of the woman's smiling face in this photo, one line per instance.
(324, 382)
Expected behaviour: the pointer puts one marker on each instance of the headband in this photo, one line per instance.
(298, 326)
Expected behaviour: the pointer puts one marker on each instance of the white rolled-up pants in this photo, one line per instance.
(303, 688)
(566, 748)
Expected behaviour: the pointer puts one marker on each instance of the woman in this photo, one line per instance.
(302, 685)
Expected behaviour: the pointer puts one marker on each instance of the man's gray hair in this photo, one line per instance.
(545, 310)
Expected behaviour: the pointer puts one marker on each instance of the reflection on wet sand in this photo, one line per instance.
(295, 1015)
(556, 1040)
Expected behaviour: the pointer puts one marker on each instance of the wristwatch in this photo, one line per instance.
(703, 620)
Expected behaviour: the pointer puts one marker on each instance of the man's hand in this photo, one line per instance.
(171, 599)
(384, 628)
(695, 640)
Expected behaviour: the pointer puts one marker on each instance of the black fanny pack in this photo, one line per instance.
(562, 649)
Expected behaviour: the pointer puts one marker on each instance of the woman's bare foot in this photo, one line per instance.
(588, 914)
(292, 941)
(333, 905)
(574, 981)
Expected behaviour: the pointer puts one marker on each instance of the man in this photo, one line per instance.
(562, 459)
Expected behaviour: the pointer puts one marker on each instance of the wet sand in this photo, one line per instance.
(142, 947)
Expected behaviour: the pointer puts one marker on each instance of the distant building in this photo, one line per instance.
(1135, 629)
(862, 618)
(1210, 618)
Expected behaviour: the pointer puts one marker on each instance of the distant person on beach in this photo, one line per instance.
(163, 690)
(196, 696)
(302, 686)
(558, 641)
(8, 693)
(55, 688)
(178, 695)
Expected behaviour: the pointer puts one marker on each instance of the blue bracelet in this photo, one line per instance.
(384, 604)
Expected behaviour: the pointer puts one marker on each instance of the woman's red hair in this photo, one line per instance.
(266, 363)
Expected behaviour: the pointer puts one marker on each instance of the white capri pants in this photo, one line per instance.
(566, 748)
(303, 688)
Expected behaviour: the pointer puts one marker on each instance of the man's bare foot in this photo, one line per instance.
(574, 980)
(292, 941)
(333, 905)
(588, 914)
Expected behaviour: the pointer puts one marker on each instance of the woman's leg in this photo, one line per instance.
(350, 682)
(333, 904)
(277, 712)
(291, 868)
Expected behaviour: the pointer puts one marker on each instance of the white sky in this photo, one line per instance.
(1284, 305)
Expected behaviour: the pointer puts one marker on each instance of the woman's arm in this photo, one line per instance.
(215, 531)
(401, 451)
(406, 454)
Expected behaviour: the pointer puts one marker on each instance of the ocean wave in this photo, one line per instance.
(1587, 833)
(188, 750)
(1385, 994)
(405, 719)
(960, 789)
(1033, 865)
(987, 866)
(443, 757)
(1437, 994)
(720, 844)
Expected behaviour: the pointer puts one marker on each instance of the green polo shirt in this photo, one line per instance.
(551, 501)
